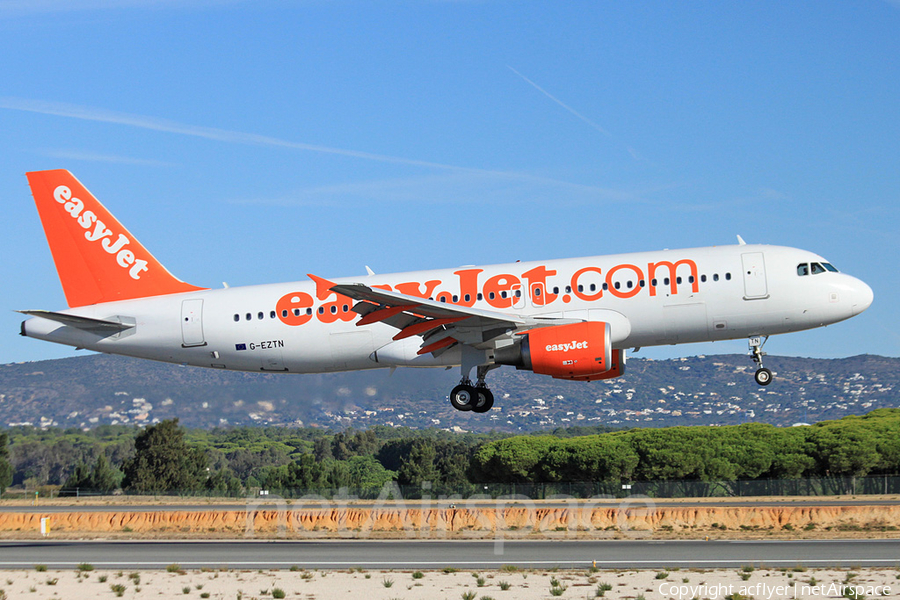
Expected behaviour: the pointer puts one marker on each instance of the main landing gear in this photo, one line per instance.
(763, 375)
(477, 398)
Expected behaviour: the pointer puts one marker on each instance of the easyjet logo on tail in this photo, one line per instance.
(97, 231)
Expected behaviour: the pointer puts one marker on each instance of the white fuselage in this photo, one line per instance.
(648, 298)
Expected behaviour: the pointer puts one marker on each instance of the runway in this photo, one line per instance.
(414, 554)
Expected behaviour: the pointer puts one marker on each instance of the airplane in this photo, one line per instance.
(568, 318)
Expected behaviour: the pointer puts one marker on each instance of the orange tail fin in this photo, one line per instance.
(97, 259)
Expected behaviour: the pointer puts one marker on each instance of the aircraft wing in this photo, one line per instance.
(440, 324)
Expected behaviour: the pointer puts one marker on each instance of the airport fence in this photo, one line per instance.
(805, 486)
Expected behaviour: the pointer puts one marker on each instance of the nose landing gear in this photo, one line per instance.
(763, 375)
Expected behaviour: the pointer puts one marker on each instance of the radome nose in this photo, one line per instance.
(862, 297)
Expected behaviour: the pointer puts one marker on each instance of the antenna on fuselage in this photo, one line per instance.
(741, 241)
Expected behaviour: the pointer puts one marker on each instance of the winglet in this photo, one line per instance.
(97, 259)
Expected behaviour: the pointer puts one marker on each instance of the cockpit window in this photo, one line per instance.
(830, 267)
(803, 269)
(817, 268)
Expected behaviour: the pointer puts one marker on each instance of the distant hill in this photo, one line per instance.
(716, 390)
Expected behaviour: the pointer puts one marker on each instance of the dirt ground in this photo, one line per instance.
(512, 583)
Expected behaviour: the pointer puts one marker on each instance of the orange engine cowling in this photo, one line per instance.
(579, 351)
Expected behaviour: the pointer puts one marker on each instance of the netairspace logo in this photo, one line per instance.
(772, 592)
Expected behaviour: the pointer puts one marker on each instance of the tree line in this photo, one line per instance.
(166, 457)
(853, 446)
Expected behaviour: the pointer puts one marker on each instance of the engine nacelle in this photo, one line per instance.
(579, 351)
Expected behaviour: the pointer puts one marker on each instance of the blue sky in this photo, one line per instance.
(253, 142)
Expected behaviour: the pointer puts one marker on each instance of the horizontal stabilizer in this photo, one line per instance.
(85, 323)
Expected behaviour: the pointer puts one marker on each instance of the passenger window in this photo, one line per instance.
(642, 283)
(272, 315)
(556, 290)
(654, 282)
(629, 284)
(666, 281)
(468, 297)
(702, 279)
(691, 279)
(260, 316)
(617, 285)
(593, 287)
(309, 311)
(678, 280)
(568, 289)
(284, 312)
(715, 276)
(727, 276)
(455, 298)
(237, 317)
(346, 308)
(605, 286)
(803, 269)
(480, 296)
(537, 292)
(248, 316)
(296, 312)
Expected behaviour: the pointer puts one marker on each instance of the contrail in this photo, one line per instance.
(561, 103)
(210, 133)
(100, 115)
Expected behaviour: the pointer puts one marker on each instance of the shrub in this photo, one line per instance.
(278, 593)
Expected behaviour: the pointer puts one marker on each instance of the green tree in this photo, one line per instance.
(102, 477)
(418, 467)
(164, 462)
(366, 472)
(6, 470)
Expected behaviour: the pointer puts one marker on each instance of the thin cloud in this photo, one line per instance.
(104, 158)
(100, 115)
(457, 188)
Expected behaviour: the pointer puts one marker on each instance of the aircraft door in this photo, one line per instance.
(192, 323)
(755, 286)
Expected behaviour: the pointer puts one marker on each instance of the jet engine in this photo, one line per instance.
(579, 351)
